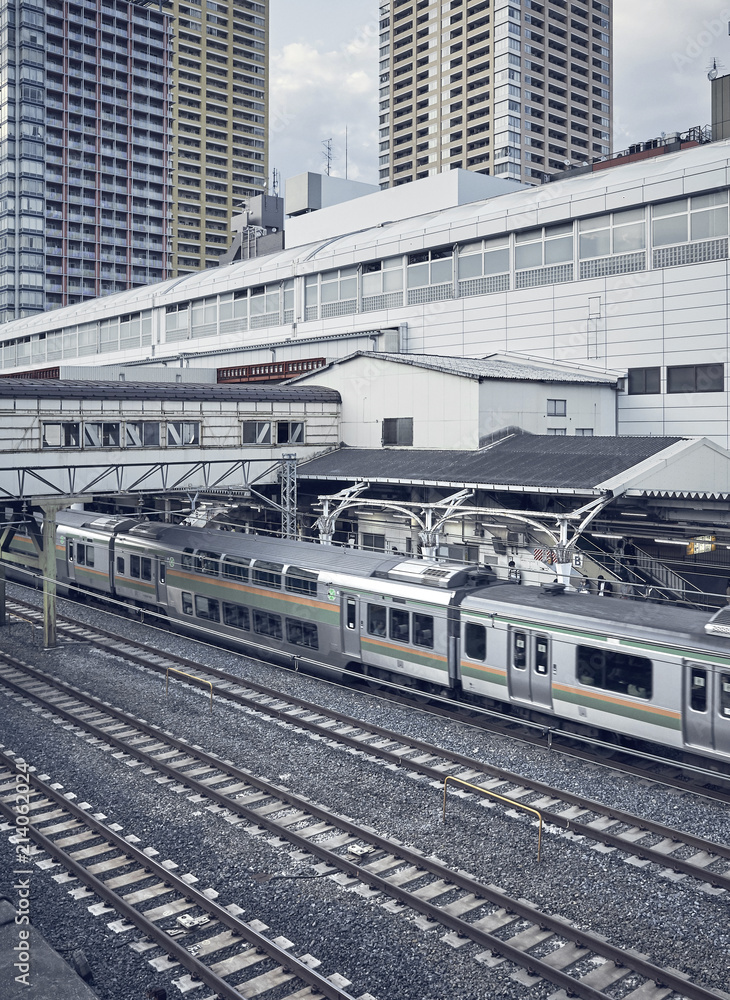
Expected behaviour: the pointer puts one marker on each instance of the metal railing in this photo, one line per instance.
(502, 798)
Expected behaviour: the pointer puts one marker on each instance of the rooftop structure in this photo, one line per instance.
(622, 270)
(516, 89)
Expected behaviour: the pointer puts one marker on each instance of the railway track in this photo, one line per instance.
(708, 781)
(108, 863)
(361, 860)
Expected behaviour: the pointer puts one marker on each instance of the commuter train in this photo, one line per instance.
(640, 671)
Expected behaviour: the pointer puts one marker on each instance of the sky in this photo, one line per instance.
(324, 58)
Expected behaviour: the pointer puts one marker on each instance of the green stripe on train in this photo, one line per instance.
(624, 709)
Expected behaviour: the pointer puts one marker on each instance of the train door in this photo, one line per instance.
(706, 716)
(70, 558)
(350, 617)
(529, 668)
(161, 582)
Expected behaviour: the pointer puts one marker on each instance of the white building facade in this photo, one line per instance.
(623, 269)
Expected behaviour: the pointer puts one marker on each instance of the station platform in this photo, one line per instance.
(48, 976)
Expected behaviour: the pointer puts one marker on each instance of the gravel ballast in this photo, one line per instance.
(379, 951)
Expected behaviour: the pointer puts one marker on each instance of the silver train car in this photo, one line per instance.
(644, 672)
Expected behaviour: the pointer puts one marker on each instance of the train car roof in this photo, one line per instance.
(628, 618)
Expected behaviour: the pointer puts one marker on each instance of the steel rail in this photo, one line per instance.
(492, 894)
(196, 968)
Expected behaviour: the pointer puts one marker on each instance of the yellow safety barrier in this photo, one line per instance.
(194, 677)
(502, 798)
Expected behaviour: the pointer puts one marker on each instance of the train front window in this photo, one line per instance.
(519, 651)
(614, 671)
(376, 620)
(698, 690)
(475, 640)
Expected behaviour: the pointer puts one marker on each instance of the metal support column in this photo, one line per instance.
(48, 574)
(289, 496)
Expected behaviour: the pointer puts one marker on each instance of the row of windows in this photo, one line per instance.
(259, 571)
(109, 434)
(474, 268)
(680, 378)
(148, 434)
(238, 616)
(620, 672)
(400, 625)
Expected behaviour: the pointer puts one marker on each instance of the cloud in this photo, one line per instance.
(663, 50)
(320, 88)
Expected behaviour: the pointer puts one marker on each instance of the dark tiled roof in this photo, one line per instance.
(22, 388)
(529, 460)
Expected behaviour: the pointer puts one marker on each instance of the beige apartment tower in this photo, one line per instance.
(220, 148)
(514, 88)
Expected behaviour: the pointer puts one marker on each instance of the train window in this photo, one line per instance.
(698, 690)
(519, 651)
(206, 607)
(351, 613)
(541, 655)
(266, 624)
(140, 568)
(614, 671)
(725, 695)
(235, 569)
(300, 581)
(376, 620)
(120, 564)
(207, 562)
(301, 633)
(187, 603)
(399, 625)
(423, 631)
(475, 638)
(268, 574)
(186, 560)
(162, 572)
(84, 554)
(236, 616)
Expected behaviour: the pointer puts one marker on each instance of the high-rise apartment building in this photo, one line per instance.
(219, 131)
(85, 128)
(516, 88)
(129, 133)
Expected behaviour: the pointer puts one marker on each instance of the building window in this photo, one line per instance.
(182, 433)
(375, 543)
(101, 435)
(290, 432)
(142, 434)
(61, 435)
(398, 431)
(557, 407)
(644, 381)
(544, 247)
(622, 232)
(584, 432)
(430, 267)
(557, 431)
(696, 378)
(257, 432)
